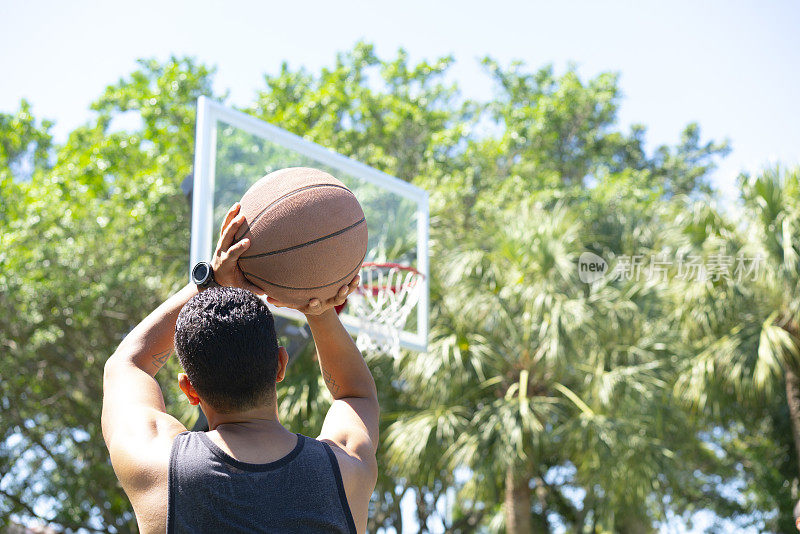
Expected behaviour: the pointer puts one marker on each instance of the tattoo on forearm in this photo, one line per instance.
(161, 358)
(330, 382)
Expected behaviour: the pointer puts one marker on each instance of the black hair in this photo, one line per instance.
(225, 340)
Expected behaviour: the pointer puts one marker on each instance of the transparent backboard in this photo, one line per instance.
(234, 150)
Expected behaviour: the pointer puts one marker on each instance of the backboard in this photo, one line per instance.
(234, 150)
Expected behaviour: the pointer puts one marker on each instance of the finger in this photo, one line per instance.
(354, 282)
(229, 216)
(238, 248)
(341, 296)
(314, 306)
(229, 234)
(344, 291)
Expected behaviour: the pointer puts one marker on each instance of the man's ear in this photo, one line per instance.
(283, 361)
(188, 389)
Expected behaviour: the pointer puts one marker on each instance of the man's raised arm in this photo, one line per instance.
(352, 421)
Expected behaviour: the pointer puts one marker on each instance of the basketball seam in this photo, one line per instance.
(290, 193)
(306, 288)
(307, 243)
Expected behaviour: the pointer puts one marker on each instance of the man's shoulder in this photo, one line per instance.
(142, 463)
(355, 470)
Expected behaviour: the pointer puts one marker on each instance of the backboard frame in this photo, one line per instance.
(210, 114)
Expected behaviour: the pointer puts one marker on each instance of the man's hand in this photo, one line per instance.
(316, 306)
(225, 263)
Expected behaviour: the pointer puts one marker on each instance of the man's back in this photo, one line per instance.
(210, 491)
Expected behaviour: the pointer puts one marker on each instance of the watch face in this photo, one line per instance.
(200, 273)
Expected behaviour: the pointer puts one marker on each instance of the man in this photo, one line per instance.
(248, 473)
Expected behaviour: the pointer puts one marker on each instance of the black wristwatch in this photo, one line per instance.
(203, 275)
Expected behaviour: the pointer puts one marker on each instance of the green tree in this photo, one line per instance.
(24, 144)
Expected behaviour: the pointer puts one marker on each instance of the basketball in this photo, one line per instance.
(308, 235)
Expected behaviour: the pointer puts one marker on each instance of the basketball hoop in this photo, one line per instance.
(382, 303)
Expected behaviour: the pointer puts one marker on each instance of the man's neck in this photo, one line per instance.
(255, 436)
(263, 419)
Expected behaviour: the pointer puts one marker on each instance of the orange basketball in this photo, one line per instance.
(308, 235)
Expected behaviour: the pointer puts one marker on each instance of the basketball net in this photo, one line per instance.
(382, 303)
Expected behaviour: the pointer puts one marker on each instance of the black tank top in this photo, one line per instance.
(211, 492)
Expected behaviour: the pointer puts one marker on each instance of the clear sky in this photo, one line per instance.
(732, 66)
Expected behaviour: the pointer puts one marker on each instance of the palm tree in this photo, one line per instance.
(531, 372)
(745, 328)
(773, 202)
(482, 399)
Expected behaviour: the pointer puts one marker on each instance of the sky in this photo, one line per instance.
(732, 66)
